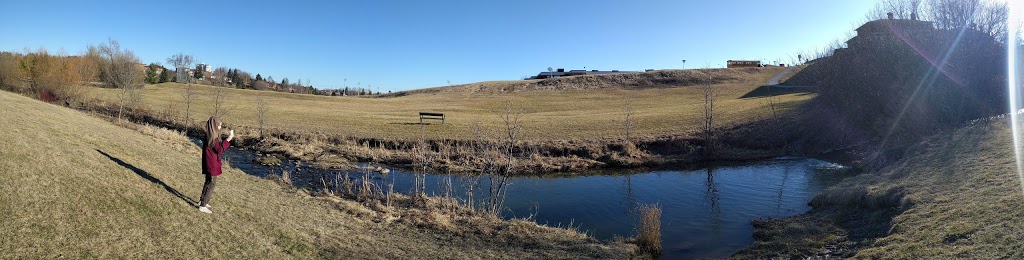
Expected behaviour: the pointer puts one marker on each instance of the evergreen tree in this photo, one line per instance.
(152, 77)
(258, 77)
(165, 76)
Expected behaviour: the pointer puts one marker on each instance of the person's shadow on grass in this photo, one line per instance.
(152, 179)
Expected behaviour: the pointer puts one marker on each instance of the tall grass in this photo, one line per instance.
(649, 229)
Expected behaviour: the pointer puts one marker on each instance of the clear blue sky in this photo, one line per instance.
(397, 45)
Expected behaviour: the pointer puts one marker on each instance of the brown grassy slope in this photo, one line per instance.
(550, 115)
(956, 195)
(75, 186)
(641, 80)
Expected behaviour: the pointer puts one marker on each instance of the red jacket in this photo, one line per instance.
(211, 157)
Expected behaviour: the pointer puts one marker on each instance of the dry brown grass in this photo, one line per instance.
(77, 186)
(561, 130)
(644, 80)
(955, 195)
(587, 114)
(649, 229)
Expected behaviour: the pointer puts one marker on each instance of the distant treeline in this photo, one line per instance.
(60, 76)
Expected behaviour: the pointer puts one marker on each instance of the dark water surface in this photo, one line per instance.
(706, 213)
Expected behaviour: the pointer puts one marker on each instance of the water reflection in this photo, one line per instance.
(716, 210)
(786, 168)
(706, 213)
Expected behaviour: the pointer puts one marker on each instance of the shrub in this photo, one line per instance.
(649, 229)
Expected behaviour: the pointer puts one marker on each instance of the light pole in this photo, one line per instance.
(684, 64)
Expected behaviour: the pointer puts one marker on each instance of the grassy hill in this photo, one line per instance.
(642, 80)
(77, 186)
(956, 195)
(561, 112)
(565, 130)
(939, 179)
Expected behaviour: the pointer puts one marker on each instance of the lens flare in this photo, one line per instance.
(1013, 31)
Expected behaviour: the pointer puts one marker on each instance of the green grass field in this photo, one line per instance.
(586, 114)
(77, 186)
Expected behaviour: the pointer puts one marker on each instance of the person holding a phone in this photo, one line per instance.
(213, 149)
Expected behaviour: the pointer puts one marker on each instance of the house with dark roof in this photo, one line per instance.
(874, 34)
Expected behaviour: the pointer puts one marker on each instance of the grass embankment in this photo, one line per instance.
(77, 186)
(955, 195)
(585, 114)
(566, 130)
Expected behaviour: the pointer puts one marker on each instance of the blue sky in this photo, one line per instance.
(397, 45)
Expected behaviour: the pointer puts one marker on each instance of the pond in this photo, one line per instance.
(705, 213)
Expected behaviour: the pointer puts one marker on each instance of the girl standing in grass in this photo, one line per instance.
(213, 148)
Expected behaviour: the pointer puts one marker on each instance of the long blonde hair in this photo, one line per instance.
(212, 132)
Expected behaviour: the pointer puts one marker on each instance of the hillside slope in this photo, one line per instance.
(955, 195)
(549, 114)
(76, 186)
(641, 80)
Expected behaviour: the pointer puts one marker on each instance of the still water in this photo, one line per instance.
(705, 213)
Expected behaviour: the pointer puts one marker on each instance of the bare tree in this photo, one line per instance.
(511, 117)
(89, 67)
(54, 76)
(10, 74)
(991, 19)
(188, 97)
(220, 77)
(900, 9)
(709, 96)
(169, 112)
(244, 79)
(220, 95)
(772, 101)
(77, 72)
(952, 14)
(629, 122)
(422, 160)
(182, 62)
(261, 85)
(261, 112)
(120, 70)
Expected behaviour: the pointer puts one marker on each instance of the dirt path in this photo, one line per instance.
(775, 81)
(778, 77)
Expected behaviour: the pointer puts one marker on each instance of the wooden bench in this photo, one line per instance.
(435, 116)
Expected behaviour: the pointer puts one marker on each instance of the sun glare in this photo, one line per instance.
(1013, 23)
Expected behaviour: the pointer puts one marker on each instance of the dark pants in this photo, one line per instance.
(211, 181)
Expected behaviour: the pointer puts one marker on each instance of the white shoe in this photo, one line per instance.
(205, 210)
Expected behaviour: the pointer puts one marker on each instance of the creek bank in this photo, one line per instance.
(726, 197)
(750, 142)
